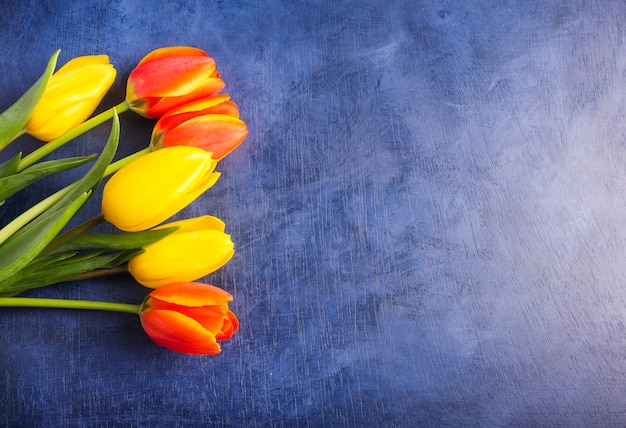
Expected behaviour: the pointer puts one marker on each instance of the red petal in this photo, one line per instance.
(228, 108)
(178, 332)
(191, 294)
(199, 105)
(171, 52)
(161, 106)
(171, 77)
(231, 325)
(216, 133)
(187, 111)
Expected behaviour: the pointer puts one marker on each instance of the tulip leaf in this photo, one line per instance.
(13, 119)
(11, 166)
(61, 268)
(16, 182)
(118, 241)
(25, 244)
(22, 247)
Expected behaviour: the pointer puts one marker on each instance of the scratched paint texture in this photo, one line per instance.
(429, 215)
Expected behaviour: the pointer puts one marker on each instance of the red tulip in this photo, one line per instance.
(169, 77)
(189, 317)
(211, 123)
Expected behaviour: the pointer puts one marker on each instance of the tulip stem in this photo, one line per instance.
(7, 231)
(35, 302)
(49, 147)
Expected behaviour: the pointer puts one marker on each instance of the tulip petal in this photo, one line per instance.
(156, 107)
(227, 108)
(230, 327)
(178, 332)
(205, 222)
(214, 104)
(200, 104)
(215, 133)
(170, 77)
(211, 318)
(192, 294)
(83, 61)
(171, 51)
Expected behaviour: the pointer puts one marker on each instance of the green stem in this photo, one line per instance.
(7, 231)
(34, 302)
(39, 208)
(115, 166)
(49, 147)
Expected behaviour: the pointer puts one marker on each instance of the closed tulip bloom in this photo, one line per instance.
(189, 317)
(211, 123)
(154, 187)
(72, 94)
(196, 249)
(169, 77)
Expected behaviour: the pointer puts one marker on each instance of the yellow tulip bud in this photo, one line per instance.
(154, 187)
(72, 94)
(196, 249)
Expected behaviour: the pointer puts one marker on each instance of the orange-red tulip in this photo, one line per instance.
(189, 317)
(211, 123)
(169, 77)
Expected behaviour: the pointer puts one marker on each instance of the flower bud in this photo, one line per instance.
(196, 249)
(188, 317)
(211, 123)
(72, 94)
(154, 187)
(169, 77)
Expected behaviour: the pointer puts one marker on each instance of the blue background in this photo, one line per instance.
(429, 214)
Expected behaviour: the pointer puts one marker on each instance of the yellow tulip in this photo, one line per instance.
(196, 249)
(154, 187)
(72, 94)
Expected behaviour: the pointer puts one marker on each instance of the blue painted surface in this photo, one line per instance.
(429, 215)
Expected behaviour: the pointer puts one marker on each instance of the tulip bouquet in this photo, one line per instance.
(196, 126)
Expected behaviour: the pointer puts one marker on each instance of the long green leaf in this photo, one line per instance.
(25, 244)
(13, 119)
(10, 166)
(62, 270)
(16, 182)
(118, 241)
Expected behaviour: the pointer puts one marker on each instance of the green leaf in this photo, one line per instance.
(11, 166)
(16, 182)
(61, 269)
(118, 241)
(25, 244)
(13, 119)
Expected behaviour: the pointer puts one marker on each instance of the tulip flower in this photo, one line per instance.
(188, 317)
(169, 77)
(196, 249)
(72, 94)
(155, 186)
(211, 123)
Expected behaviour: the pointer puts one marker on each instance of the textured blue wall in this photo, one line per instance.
(429, 217)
